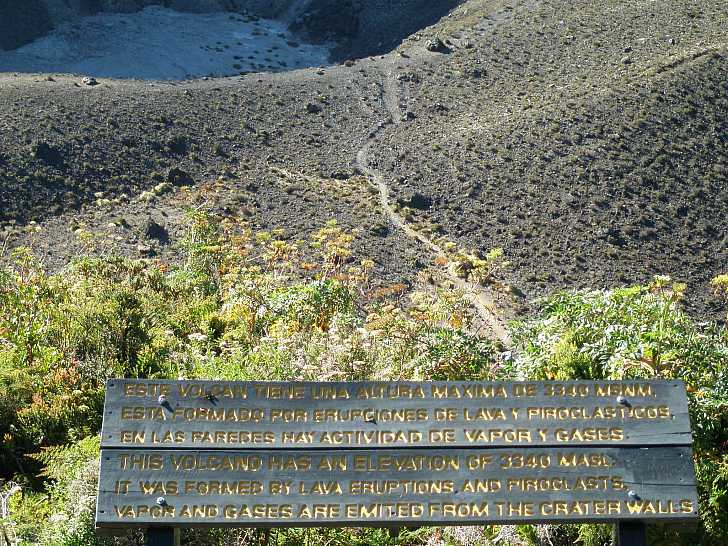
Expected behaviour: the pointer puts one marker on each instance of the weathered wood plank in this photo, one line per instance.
(205, 414)
(260, 488)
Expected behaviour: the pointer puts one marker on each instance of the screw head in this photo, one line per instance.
(161, 501)
(621, 400)
(162, 399)
(632, 495)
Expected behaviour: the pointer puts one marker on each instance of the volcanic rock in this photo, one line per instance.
(178, 177)
(416, 200)
(48, 154)
(153, 230)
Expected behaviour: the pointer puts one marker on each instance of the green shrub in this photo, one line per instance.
(243, 305)
(641, 332)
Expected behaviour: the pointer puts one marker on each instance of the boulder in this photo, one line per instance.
(154, 230)
(416, 200)
(436, 45)
(313, 108)
(178, 177)
(46, 153)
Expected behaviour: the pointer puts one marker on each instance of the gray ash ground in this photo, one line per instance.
(158, 43)
(588, 140)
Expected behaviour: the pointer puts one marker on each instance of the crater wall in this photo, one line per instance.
(357, 27)
(367, 27)
(24, 21)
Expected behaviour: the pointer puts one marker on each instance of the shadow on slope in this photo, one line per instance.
(367, 28)
(22, 22)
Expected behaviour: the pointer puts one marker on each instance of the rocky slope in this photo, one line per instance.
(586, 138)
(590, 144)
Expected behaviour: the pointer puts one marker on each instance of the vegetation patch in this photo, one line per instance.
(254, 305)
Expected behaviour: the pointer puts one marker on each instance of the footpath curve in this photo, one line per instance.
(479, 297)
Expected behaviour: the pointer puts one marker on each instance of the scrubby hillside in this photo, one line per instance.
(585, 138)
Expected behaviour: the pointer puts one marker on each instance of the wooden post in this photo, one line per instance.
(163, 536)
(631, 533)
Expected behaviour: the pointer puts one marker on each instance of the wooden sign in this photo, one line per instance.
(377, 487)
(262, 454)
(203, 414)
